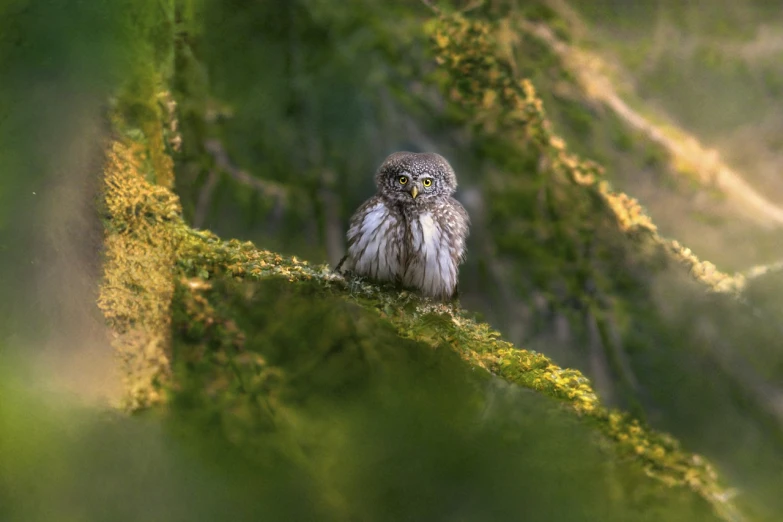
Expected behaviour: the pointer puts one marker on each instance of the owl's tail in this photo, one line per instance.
(340, 264)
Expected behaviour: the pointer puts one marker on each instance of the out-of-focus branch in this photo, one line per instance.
(204, 199)
(475, 4)
(223, 162)
(431, 5)
(683, 148)
(762, 270)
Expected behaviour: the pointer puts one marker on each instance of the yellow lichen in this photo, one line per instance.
(137, 287)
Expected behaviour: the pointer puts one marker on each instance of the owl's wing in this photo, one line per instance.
(375, 241)
(354, 226)
(358, 223)
(454, 219)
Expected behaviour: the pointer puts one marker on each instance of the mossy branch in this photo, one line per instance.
(149, 247)
(484, 83)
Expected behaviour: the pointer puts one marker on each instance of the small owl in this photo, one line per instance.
(412, 231)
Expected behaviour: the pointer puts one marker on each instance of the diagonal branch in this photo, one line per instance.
(204, 199)
(224, 163)
(761, 270)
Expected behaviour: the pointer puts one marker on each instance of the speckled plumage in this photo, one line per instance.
(410, 233)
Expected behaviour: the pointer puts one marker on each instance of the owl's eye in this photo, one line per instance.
(427, 182)
(403, 180)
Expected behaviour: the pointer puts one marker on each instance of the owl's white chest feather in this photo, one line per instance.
(430, 264)
(415, 249)
(375, 249)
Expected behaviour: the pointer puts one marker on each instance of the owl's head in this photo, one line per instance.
(415, 178)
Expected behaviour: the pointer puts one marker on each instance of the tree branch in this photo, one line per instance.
(223, 162)
(204, 199)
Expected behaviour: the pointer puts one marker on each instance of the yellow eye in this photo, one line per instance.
(427, 182)
(403, 180)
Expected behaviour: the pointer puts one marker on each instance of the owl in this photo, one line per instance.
(412, 232)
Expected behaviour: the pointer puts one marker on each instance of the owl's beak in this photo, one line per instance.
(414, 191)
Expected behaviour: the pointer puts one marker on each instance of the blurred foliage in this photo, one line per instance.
(367, 427)
(301, 102)
(690, 58)
(43, 63)
(268, 119)
(61, 62)
(711, 69)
